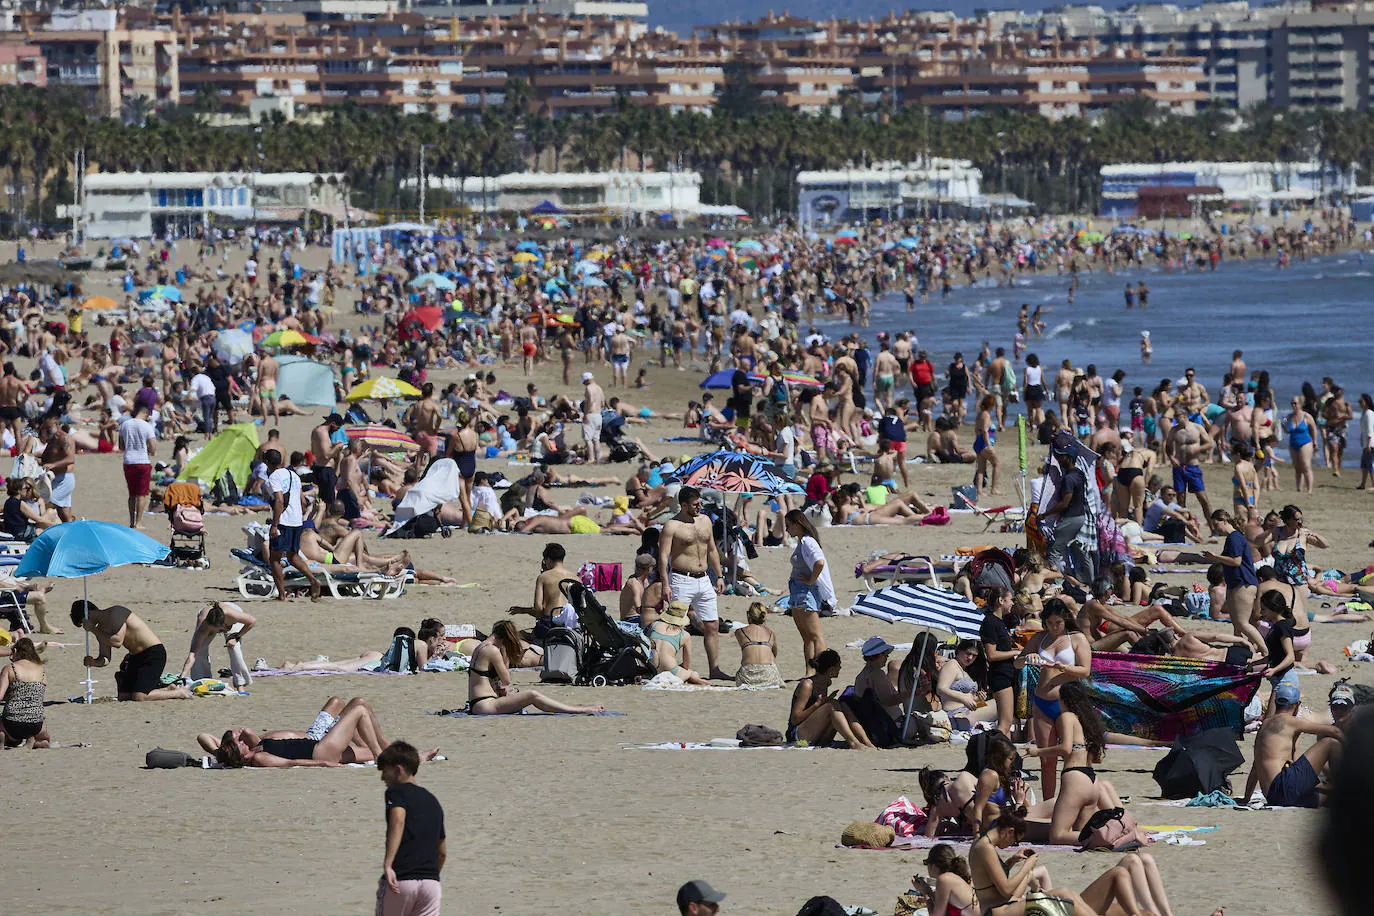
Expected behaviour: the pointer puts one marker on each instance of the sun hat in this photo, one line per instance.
(1287, 695)
(675, 614)
(875, 645)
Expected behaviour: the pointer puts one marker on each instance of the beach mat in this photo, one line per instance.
(464, 714)
(727, 744)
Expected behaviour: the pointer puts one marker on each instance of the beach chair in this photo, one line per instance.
(937, 572)
(12, 608)
(255, 581)
(995, 514)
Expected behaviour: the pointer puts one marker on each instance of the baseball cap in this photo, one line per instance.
(1342, 695)
(875, 645)
(697, 892)
(334, 418)
(1287, 695)
(587, 376)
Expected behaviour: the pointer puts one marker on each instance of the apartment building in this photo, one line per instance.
(22, 65)
(89, 50)
(1302, 55)
(1128, 187)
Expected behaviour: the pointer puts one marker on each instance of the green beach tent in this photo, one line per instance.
(231, 450)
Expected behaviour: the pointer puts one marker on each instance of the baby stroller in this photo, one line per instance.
(185, 513)
(610, 655)
(623, 448)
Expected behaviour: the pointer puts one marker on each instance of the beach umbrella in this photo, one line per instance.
(83, 548)
(438, 281)
(430, 317)
(1199, 763)
(382, 388)
(527, 245)
(722, 379)
(597, 255)
(909, 243)
(524, 257)
(233, 345)
(733, 472)
(382, 438)
(749, 245)
(715, 243)
(288, 337)
(170, 293)
(586, 267)
(306, 382)
(98, 303)
(846, 240)
(594, 282)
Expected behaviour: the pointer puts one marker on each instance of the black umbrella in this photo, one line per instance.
(1199, 763)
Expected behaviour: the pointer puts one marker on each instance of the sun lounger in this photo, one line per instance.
(255, 581)
(937, 572)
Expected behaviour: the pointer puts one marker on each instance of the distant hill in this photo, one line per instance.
(682, 16)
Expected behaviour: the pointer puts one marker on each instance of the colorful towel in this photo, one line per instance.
(903, 817)
(1161, 698)
(464, 714)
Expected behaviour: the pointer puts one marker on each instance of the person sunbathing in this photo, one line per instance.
(947, 800)
(1109, 629)
(489, 687)
(816, 716)
(429, 643)
(849, 508)
(572, 521)
(350, 554)
(355, 738)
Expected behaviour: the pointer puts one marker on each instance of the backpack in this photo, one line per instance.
(187, 520)
(421, 526)
(225, 491)
(976, 753)
(162, 759)
(989, 568)
(400, 655)
(1114, 829)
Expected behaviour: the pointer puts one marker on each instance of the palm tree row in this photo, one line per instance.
(748, 155)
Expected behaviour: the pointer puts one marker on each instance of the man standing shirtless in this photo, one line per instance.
(620, 356)
(548, 596)
(1287, 778)
(885, 369)
(59, 457)
(140, 674)
(425, 419)
(593, 401)
(1187, 443)
(12, 397)
(267, 387)
(686, 551)
(325, 452)
(529, 347)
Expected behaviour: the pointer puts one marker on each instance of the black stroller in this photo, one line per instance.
(623, 448)
(609, 655)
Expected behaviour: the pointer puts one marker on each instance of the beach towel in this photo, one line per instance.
(464, 714)
(903, 817)
(715, 744)
(666, 680)
(919, 842)
(1161, 698)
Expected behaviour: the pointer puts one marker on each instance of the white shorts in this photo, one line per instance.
(591, 428)
(697, 593)
(323, 724)
(63, 486)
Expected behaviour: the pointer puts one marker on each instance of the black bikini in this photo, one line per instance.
(289, 748)
(1087, 771)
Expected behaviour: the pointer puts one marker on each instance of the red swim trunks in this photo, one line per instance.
(104, 447)
(138, 477)
(528, 349)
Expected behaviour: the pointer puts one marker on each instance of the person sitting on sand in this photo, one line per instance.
(672, 644)
(429, 643)
(1109, 629)
(998, 789)
(356, 723)
(548, 590)
(960, 695)
(943, 446)
(140, 674)
(1289, 779)
(874, 701)
(758, 662)
(1082, 743)
(489, 687)
(1002, 886)
(947, 801)
(23, 683)
(953, 890)
(641, 598)
(816, 716)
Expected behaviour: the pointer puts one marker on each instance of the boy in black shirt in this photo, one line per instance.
(415, 844)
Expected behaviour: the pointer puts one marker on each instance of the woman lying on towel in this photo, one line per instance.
(354, 737)
(349, 553)
(489, 688)
(848, 508)
(948, 800)
(428, 644)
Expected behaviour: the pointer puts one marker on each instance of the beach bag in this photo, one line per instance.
(225, 491)
(562, 652)
(187, 520)
(1039, 903)
(162, 759)
(1112, 829)
(601, 577)
(400, 655)
(910, 903)
(421, 526)
(759, 736)
(938, 516)
(867, 833)
(822, 906)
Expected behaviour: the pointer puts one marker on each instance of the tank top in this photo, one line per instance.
(24, 701)
(1035, 375)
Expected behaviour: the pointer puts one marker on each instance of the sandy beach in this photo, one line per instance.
(548, 813)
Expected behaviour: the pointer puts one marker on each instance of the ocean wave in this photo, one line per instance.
(1065, 327)
(986, 307)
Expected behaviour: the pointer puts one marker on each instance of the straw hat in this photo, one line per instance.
(675, 614)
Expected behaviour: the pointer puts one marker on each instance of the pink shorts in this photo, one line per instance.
(416, 898)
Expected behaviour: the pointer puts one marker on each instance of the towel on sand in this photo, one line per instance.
(464, 714)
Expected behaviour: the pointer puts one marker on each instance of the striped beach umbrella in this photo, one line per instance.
(382, 438)
(922, 606)
(382, 388)
(288, 337)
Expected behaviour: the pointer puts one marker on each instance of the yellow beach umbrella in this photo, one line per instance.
(524, 257)
(376, 389)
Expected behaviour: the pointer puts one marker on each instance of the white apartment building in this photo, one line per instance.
(886, 188)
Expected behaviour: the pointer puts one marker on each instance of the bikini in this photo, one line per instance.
(289, 748)
(674, 640)
(1050, 708)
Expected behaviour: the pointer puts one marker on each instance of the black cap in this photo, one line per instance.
(697, 892)
(334, 418)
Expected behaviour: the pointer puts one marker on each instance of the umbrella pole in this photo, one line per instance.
(85, 617)
(915, 680)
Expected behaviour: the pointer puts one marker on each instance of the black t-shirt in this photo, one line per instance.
(14, 522)
(742, 394)
(1077, 483)
(994, 630)
(417, 859)
(1273, 641)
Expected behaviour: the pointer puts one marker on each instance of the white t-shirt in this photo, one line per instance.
(284, 481)
(804, 559)
(119, 407)
(134, 436)
(201, 386)
(786, 444)
(1111, 393)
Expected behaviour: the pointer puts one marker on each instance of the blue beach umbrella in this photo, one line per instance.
(438, 281)
(529, 246)
(594, 282)
(82, 549)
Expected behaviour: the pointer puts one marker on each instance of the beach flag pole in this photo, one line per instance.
(1021, 460)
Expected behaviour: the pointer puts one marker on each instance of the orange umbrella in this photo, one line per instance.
(99, 303)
